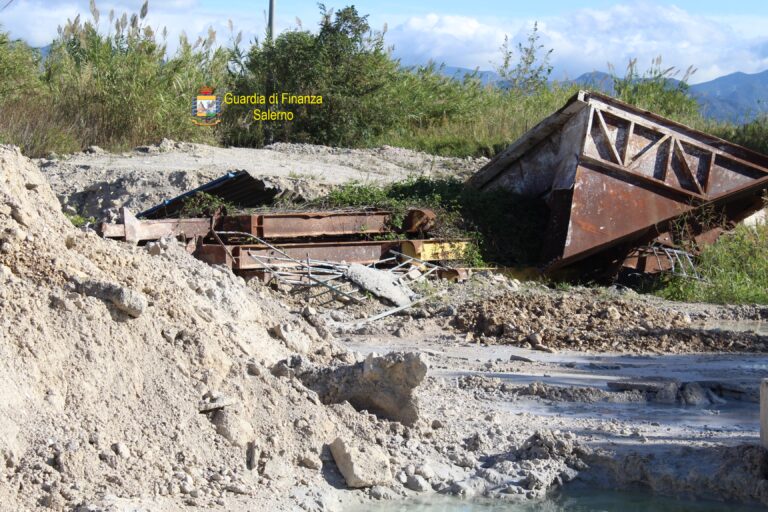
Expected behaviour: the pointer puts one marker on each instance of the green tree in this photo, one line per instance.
(120, 88)
(345, 62)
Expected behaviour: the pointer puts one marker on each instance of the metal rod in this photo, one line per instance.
(271, 29)
(428, 264)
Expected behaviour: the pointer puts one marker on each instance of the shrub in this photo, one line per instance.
(734, 270)
(504, 228)
(345, 62)
(119, 88)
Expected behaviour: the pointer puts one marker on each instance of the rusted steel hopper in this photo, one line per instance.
(616, 177)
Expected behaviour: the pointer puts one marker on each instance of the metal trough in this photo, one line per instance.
(616, 177)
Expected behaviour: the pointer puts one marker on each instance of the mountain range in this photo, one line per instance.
(738, 97)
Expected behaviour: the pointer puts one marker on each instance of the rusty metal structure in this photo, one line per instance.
(616, 178)
(254, 244)
(273, 226)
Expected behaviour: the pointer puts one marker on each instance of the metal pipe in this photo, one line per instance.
(271, 28)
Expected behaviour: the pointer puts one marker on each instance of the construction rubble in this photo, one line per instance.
(325, 359)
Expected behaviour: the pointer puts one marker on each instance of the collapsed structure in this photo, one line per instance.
(625, 186)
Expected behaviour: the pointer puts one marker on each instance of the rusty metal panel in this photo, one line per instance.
(134, 231)
(273, 226)
(298, 225)
(635, 174)
(246, 256)
(214, 255)
(606, 208)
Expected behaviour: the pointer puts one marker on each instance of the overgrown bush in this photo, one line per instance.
(344, 62)
(504, 228)
(734, 270)
(106, 82)
(658, 90)
(109, 81)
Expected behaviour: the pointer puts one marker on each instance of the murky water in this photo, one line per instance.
(572, 501)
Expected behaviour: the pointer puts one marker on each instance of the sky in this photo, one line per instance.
(716, 37)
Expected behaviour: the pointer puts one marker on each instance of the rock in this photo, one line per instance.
(693, 394)
(436, 424)
(418, 483)
(379, 282)
(218, 402)
(122, 450)
(365, 466)
(514, 357)
(534, 339)
(277, 469)
(667, 394)
(232, 427)
(379, 492)
(126, 300)
(382, 385)
(612, 313)
(310, 461)
(293, 338)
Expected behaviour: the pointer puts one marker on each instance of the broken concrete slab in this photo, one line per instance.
(363, 466)
(382, 385)
(130, 302)
(381, 283)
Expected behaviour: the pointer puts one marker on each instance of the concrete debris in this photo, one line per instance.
(381, 283)
(128, 301)
(383, 385)
(361, 466)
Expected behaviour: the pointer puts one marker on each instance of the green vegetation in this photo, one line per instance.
(79, 221)
(107, 82)
(202, 204)
(734, 270)
(504, 228)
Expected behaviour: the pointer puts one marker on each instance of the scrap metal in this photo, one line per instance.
(273, 225)
(616, 177)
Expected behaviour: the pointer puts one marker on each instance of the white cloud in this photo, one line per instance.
(36, 21)
(453, 40)
(589, 39)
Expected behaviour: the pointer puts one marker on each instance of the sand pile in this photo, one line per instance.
(108, 355)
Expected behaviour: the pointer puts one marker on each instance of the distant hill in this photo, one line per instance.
(738, 97)
(486, 77)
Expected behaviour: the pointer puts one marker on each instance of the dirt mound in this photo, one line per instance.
(96, 183)
(130, 375)
(590, 320)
